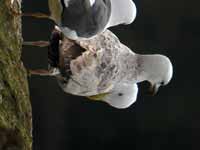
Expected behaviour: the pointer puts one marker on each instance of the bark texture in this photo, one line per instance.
(15, 107)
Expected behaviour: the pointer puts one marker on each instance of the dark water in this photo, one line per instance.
(169, 120)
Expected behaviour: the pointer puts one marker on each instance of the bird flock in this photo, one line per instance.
(89, 60)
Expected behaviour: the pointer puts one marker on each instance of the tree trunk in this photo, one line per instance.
(15, 107)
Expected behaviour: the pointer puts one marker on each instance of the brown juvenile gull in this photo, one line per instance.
(102, 68)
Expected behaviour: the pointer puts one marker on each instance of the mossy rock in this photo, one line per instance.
(15, 106)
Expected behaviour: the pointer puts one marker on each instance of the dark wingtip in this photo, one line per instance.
(53, 50)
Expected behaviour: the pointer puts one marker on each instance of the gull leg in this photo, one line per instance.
(44, 72)
(37, 15)
(40, 72)
(36, 43)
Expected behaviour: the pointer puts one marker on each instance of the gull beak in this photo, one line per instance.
(98, 97)
(154, 89)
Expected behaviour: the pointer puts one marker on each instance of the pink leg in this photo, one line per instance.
(41, 72)
(44, 72)
(37, 15)
(36, 43)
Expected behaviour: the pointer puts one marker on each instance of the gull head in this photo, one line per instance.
(157, 69)
(131, 12)
(121, 96)
(122, 12)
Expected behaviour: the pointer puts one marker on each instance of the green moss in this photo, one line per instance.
(15, 107)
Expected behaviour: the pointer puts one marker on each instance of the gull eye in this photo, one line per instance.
(120, 94)
(162, 83)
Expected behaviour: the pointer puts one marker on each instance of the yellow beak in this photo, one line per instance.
(98, 97)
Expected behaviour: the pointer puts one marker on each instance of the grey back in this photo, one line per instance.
(86, 21)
